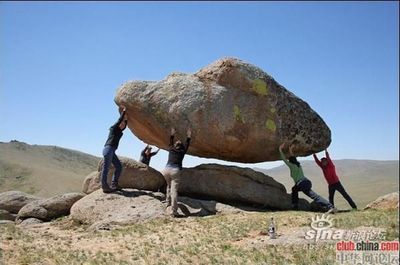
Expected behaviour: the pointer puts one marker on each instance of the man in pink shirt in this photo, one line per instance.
(329, 170)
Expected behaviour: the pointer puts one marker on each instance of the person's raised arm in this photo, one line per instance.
(327, 156)
(317, 160)
(171, 138)
(154, 153)
(282, 154)
(188, 139)
(144, 150)
(121, 118)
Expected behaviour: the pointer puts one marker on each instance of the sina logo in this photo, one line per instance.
(321, 229)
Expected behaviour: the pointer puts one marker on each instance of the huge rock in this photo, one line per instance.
(130, 206)
(51, 208)
(13, 201)
(134, 175)
(387, 202)
(235, 185)
(236, 111)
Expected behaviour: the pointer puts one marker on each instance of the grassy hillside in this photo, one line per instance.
(220, 239)
(43, 170)
(364, 180)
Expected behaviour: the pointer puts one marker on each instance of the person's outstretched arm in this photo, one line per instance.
(144, 150)
(283, 155)
(121, 118)
(171, 138)
(327, 156)
(154, 153)
(317, 160)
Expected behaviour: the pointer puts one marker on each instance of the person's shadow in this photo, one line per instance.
(188, 206)
(198, 207)
(136, 193)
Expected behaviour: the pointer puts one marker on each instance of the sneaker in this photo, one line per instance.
(167, 202)
(107, 189)
(115, 186)
(332, 210)
(175, 214)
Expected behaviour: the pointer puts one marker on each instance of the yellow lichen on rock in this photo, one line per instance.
(270, 125)
(237, 114)
(260, 87)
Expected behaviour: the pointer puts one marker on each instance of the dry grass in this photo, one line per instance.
(207, 240)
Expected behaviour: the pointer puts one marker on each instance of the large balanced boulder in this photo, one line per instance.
(130, 206)
(13, 201)
(134, 175)
(235, 185)
(386, 202)
(51, 208)
(236, 111)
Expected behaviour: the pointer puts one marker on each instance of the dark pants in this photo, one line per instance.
(338, 187)
(305, 186)
(110, 157)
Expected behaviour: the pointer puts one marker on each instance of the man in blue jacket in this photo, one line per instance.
(109, 155)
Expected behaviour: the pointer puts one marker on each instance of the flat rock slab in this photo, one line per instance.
(131, 206)
(127, 206)
(236, 185)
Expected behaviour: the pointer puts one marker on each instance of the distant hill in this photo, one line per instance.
(49, 170)
(364, 180)
(43, 170)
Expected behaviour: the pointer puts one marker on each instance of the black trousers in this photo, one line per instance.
(339, 187)
(305, 186)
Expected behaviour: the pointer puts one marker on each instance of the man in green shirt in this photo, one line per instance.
(301, 182)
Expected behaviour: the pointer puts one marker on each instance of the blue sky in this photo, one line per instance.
(61, 64)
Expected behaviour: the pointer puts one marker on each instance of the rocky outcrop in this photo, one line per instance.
(13, 201)
(124, 207)
(235, 185)
(134, 175)
(51, 208)
(6, 222)
(131, 206)
(236, 111)
(92, 182)
(228, 184)
(5, 215)
(387, 202)
(29, 221)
